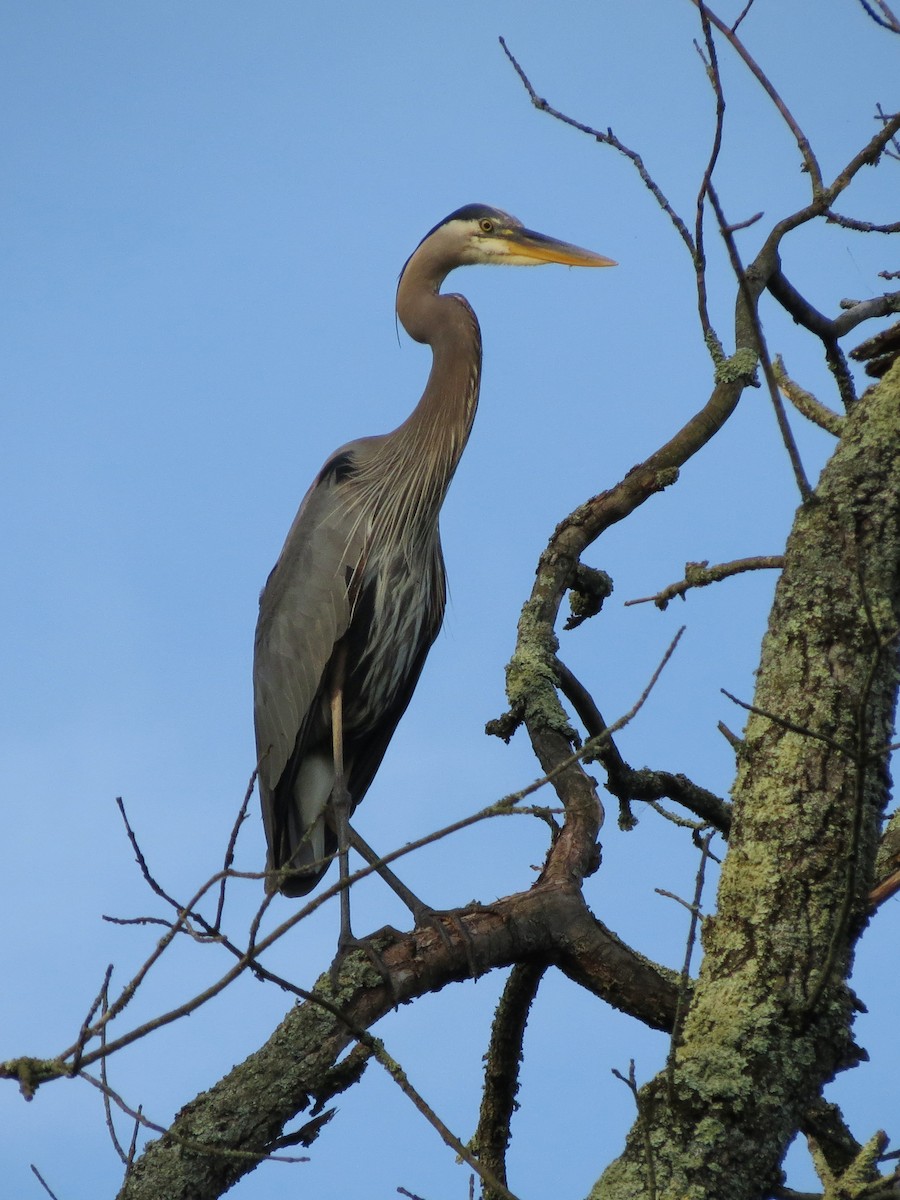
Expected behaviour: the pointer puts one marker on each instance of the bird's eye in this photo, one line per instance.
(486, 225)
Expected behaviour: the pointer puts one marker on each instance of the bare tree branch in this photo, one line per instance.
(805, 402)
(607, 138)
(885, 18)
(701, 574)
(810, 162)
(501, 1069)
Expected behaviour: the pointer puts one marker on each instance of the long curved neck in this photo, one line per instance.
(440, 424)
(421, 455)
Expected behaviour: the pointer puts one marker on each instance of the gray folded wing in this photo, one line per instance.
(304, 610)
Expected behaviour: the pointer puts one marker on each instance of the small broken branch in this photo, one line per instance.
(701, 574)
(806, 403)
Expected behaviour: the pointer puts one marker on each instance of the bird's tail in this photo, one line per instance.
(301, 851)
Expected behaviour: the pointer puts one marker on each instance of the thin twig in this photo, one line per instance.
(806, 403)
(132, 1146)
(107, 1107)
(809, 159)
(191, 1144)
(678, 899)
(631, 1083)
(635, 708)
(762, 349)
(43, 1182)
(883, 116)
(701, 574)
(85, 1032)
(609, 139)
(789, 725)
(681, 822)
(629, 783)
(399, 1077)
(684, 982)
(712, 70)
(836, 218)
(184, 915)
(887, 21)
(229, 850)
(744, 11)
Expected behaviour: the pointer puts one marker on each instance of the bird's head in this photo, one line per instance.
(478, 233)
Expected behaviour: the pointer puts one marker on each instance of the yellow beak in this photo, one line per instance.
(527, 246)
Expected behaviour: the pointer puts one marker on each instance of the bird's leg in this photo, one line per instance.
(419, 910)
(340, 806)
(340, 800)
(347, 837)
(422, 913)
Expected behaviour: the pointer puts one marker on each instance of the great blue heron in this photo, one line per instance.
(357, 596)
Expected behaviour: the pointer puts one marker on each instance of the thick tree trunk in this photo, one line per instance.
(771, 1015)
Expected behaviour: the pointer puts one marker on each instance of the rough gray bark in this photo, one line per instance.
(770, 1021)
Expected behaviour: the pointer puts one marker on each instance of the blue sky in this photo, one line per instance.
(207, 206)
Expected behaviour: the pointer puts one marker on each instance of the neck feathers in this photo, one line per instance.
(438, 428)
(416, 462)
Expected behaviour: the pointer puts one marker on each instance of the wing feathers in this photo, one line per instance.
(304, 610)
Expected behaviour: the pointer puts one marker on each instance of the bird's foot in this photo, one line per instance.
(436, 919)
(348, 942)
(426, 917)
